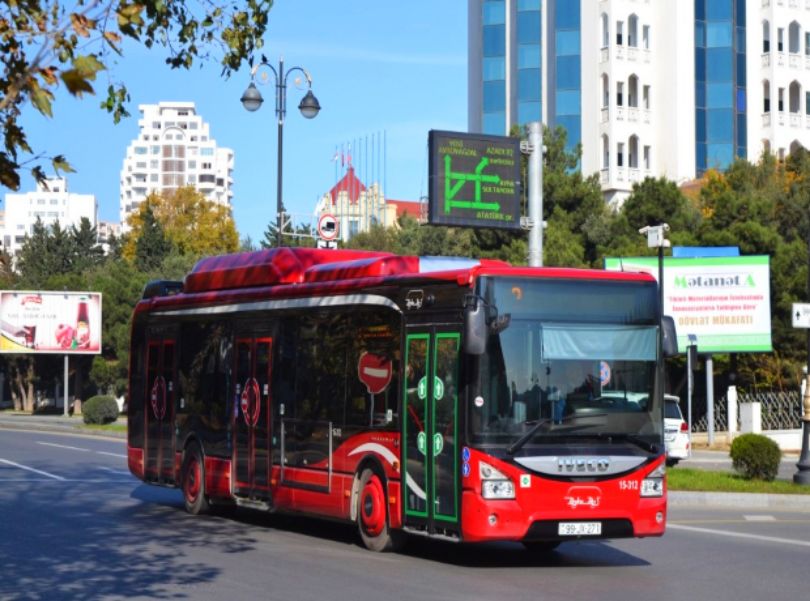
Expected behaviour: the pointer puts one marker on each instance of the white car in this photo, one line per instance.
(676, 432)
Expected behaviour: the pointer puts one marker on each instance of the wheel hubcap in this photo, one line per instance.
(193, 480)
(372, 514)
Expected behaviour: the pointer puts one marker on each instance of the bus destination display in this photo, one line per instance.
(474, 180)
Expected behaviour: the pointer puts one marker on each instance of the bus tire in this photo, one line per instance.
(372, 515)
(193, 474)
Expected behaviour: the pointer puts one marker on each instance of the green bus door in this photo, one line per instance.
(430, 429)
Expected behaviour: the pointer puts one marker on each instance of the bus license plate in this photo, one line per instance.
(579, 528)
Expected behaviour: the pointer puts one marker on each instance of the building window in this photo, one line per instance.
(140, 150)
(766, 37)
(645, 98)
(781, 100)
(619, 93)
(605, 31)
(632, 31)
(645, 37)
(605, 152)
(780, 39)
(605, 91)
(647, 158)
(766, 95)
(632, 92)
(619, 32)
(794, 38)
(620, 154)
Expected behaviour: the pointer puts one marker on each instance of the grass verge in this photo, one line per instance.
(683, 478)
(106, 427)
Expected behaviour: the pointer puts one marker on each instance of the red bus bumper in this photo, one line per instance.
(541, 504)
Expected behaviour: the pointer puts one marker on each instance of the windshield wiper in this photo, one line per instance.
(631, 438)
(520, 442)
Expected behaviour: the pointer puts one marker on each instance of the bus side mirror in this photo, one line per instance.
(475, 326)
(669, 343)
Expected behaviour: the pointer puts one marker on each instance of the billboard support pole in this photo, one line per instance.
(66, 385)
(710, 398)
(536, 194)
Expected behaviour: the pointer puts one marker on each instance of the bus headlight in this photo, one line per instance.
(653, 484)
(494, 484)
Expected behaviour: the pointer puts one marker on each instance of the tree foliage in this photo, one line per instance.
(47, 44)
(193, 225)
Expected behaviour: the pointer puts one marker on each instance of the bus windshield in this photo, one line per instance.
(567, 359)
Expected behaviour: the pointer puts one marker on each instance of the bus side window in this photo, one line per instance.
(373, 372)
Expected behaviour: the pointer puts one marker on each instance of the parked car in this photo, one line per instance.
(676, 431)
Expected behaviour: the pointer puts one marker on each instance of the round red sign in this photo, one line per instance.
(374, 371)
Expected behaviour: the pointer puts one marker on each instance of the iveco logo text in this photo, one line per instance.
(719, 280)
(583, 464)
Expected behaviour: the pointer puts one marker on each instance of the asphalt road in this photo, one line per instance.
(74, 525)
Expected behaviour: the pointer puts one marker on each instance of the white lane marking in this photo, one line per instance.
(62, 446)
(759, 518)
(112, 454)
(68, 480)
(114, 471)
(768, 539)
(30, 469)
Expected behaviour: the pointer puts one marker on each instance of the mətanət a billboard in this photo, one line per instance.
(724, 301)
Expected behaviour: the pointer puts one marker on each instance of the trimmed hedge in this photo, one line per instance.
(102, 409)
(756, 457)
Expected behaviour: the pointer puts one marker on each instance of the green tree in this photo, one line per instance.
(44, 45)
(151, 245)
(88, 252)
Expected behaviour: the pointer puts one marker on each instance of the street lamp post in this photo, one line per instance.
(656, 238)
(309, 107)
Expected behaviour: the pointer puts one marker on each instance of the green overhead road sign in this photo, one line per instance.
(474, 180)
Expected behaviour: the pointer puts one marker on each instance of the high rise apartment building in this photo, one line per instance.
(49, 202)
(174, 148)
(648, 87)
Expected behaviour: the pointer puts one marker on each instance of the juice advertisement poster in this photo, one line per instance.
(50, 322)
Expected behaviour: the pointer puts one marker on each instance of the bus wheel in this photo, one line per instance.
(194, 481)
(372, 515)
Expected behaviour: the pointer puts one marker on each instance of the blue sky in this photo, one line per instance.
(377, 66)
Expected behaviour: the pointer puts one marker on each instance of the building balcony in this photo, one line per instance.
(620, 52)
(780, 118)
(604, 55)
(795, 120)
(780, 59)
(766, 119)
(619, 113)
(766, 59)
(604, 176)
(632, 114)
(795, 61)
(647, 115)
(605, 113)
(632, 54)
(634, 174)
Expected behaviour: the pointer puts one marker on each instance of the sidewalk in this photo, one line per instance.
(56, 423)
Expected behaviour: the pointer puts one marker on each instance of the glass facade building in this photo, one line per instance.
(720, 83)
(565, 81)
(493, 66)
(529, 61)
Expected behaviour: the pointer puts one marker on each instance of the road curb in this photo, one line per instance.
(682, 498)
(28, 426)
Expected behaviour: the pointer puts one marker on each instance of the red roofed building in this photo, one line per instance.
(357, 207)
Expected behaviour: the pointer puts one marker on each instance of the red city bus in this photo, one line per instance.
(456, 398)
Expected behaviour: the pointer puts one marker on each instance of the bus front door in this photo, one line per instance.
(161, 369)
(252, 411)
(430, 430)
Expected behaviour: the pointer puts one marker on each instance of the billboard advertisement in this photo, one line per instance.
(50, 322)
(724, 301)
(474, 180)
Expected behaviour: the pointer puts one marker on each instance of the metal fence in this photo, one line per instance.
(780, 411)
